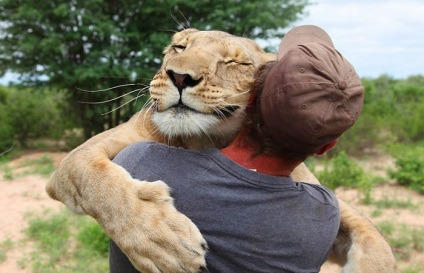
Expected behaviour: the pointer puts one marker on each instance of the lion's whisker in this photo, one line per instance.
(239, 94)
(114, 109)
(180, 24)
(110, 100)
(150, 106)
(219, 112)
(110, 88)
(148, 101)
(138, 95)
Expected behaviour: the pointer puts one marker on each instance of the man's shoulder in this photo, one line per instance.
(320, 193)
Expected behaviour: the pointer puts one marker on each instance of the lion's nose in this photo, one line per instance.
(181, 81)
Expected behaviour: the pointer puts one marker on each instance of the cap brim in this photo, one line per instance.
(301, 35)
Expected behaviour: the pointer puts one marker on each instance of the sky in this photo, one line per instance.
(378, 37)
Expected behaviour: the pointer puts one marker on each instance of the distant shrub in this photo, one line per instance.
(393, 111)
(342, 171)
(31, 113)
(26, 113)
(407, 119)
(409, 169)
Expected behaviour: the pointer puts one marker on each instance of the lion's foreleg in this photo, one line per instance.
(78, 174)
(360, 247)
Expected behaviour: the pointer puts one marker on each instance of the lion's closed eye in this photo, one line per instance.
(230, 60)
(179, 48)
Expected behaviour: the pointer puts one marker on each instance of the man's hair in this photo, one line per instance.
(254, 122)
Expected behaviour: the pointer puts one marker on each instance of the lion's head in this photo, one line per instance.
(202, 87)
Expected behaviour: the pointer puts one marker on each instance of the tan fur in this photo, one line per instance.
(139, 216)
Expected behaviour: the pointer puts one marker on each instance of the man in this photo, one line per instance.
(254, 217)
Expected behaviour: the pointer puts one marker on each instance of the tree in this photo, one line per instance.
(98, 44)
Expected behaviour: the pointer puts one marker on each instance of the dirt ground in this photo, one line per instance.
(27, 193)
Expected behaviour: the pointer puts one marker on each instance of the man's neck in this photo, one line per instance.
(243, 153)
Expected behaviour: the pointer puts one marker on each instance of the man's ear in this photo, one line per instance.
(327, 147)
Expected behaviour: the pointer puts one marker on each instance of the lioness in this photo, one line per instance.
(198, 100)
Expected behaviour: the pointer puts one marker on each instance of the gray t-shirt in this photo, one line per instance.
(251, 221)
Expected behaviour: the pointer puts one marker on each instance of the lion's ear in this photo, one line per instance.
(183, 33)
(269, 57)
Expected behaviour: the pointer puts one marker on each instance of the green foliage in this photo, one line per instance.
(52, 236)
(342, 171)
(27, 113)
(414, 269)
(386, 228)
(55, 250)
(408, 113)
(43, 166)
(92, 236)
(392, 112)
(389, 203)
(72, 138)
(97, 44)
(7, 173)
(376, 213)
(7, 132)
(4, 246)
(409, 169)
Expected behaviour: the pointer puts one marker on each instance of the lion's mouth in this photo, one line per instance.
(221, 113)
(182, 109)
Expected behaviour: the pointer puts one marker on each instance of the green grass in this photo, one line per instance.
(4, 246)
(402, 238)
(63, 243)
(7, 173)
(414, 269)
(43, 166)
(376, 213)
(391, 203)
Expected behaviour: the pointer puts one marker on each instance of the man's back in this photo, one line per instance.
(252, 222)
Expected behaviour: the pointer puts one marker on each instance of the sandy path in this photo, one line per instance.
(17, 197)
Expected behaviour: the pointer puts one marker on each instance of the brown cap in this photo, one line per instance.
(312, 95)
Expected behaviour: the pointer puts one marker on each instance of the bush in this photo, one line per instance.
(27, 113)
(409, 169)
(342, 171)
(7, 131)
(407, 119)
(392, 112)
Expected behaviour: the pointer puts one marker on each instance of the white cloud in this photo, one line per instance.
(379, 37)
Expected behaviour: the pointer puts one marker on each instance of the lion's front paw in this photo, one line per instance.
(155, 236)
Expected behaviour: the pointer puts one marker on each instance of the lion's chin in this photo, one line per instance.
(175, 123)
